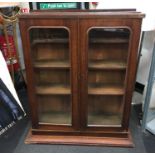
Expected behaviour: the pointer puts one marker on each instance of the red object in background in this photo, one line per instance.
(25, 10)
(5, 52)
(95, 3)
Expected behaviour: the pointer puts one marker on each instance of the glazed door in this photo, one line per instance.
(52, 61)
(105, 81)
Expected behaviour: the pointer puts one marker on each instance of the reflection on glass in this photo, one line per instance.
(107, 62)
(105, 110)
(51, 62)
(55, 109)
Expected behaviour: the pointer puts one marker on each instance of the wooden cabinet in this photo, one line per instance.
(81, 69)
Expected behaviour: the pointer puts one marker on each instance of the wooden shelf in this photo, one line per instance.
(105, 90)
(52, 64)
(102, 64)
(54, 40)
(53, 90)
(109, 40)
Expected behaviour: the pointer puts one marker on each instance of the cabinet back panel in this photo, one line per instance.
(118, 52)
(52, 108)
(115, 33)
(49, 43)
(105, 104)
(106, 77)
(108, 44)
(48, 33)
(52, 51)
(52, 76)
(105, 110)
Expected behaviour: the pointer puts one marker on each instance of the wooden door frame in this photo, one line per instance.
(133, 25)
(71, 25)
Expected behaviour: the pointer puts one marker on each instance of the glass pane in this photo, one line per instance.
(52, 77)
(107, 63)
(105, 110)
(54, 109)
(51, 63)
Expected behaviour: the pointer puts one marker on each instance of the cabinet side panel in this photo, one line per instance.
(59, 52)
(132, 68)
(131, 25)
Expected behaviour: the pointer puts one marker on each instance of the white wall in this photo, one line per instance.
(145, 60)
(144, 6)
